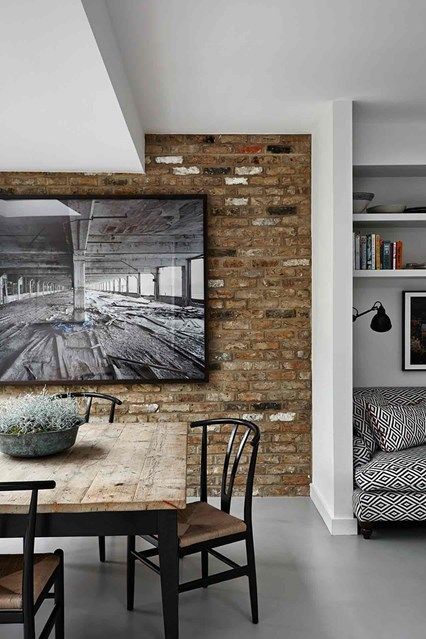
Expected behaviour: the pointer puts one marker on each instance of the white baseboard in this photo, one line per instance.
(336, 525)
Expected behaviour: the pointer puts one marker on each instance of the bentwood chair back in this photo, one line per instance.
(202, 527)
(26, 580)
(90, 397)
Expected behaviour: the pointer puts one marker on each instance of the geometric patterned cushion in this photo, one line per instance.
(361, 417)
(380, 396)
(401, 471)
(362, 454)
(402, 395)
(389, 506)
(398, 427)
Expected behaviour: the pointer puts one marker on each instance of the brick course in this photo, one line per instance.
(259, 291)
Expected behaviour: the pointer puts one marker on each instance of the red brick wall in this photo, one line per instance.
(258, 189)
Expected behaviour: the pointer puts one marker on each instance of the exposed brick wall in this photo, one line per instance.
(259, 290)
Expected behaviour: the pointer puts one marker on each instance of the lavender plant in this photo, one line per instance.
(37, 413)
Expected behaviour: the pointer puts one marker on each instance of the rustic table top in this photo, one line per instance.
(112, 467)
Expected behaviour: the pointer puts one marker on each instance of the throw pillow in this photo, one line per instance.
(398, 427)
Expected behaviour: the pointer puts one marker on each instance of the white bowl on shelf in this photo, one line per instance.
(387, 208)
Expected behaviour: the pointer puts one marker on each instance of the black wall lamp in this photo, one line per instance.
(380, 323)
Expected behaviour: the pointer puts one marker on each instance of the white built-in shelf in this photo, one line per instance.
(406, 220)
(390, 170)
(408, 272)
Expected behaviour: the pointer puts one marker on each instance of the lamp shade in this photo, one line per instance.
(381, 322)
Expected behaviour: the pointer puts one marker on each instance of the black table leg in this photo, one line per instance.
(169, 570)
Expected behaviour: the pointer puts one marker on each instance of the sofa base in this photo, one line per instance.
(382, 506)
(365, 528)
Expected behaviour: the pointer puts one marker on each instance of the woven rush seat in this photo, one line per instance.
(201, 522)
(11, 571)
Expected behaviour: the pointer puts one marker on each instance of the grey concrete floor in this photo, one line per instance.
(311, 585)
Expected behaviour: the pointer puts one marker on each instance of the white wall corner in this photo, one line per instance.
(332, 484)
(335, 525)
(100, 23)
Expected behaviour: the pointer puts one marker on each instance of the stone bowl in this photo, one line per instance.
(38, 444)
(361, 200)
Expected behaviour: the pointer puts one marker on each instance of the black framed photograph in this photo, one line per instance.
(414, 331)
(105, 289)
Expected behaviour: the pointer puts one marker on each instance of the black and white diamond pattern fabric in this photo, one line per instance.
(362, 455)
(380, 396)
(386, 481)
(361, 416)
(402, 395)
(398, 427)
(389, 506)
(402, 471)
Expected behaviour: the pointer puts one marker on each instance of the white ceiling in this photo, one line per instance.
(77, 84)
(263, 65)
(60, 110)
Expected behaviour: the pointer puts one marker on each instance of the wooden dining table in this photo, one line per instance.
(118, 479)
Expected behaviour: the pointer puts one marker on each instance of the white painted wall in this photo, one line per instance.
(100, 23)
(59, 110)
(390, 142)
(331, 488)
(378, 356)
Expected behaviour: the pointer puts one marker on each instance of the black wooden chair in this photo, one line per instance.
(202, 527)
(114, 402)
(26, 580)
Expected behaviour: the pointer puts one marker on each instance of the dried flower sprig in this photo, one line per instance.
(38, 413)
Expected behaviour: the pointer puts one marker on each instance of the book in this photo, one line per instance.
(387, 255)
(368, 251)
(394, 256)
(378, 254)
(363, 252)
(357, 252)
(373, 252)
(354, 251)
(399, 255)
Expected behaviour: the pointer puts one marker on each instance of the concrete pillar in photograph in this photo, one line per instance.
(127, 283)
(20, 284)
(79, 271)
(37, 287)
(3, 289)
(156, 278)
(139, 284)
(186, 283)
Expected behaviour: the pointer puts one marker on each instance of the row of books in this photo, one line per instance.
(372, 252)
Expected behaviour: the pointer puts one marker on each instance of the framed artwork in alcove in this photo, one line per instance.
(105, 289)
(414, 331)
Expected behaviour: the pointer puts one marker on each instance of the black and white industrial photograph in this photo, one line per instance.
(102, 289)
(414, 330)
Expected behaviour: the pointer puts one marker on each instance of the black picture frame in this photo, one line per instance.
(204, 375)
(412, 342)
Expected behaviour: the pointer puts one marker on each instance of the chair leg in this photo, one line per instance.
(252, 577)
(60, 598)
(102, 549)
(131, 544)
(29, 626)
(204, 567)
